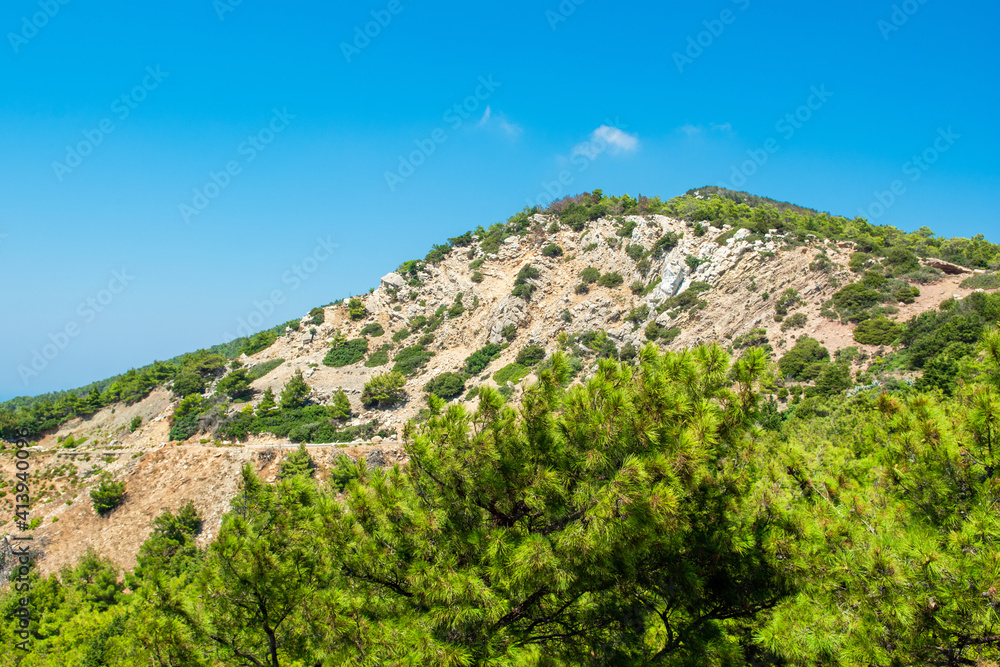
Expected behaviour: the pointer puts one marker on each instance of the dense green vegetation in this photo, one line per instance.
(346, 353)
(477, 362)
(656, 514)
(107, 495)
(447, 385)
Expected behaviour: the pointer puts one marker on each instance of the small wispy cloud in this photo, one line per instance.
(511, 129)
(486, 116)
(500, 120)
(695, 130)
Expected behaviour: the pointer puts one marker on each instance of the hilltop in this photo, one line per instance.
(837, 303)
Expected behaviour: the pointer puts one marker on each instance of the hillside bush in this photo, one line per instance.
(410, 360)
(800, 362)
(529, 355)
(611, 280)
(878, 331)
(347, 353)
(590, 275)
(987, 281)
(374, 330)
(552, 250)
(511, 373)
(107, 495)
(379, 357)
(263, 368)
(298, 463)
(447, 385)
(384, 391)
(477, 362)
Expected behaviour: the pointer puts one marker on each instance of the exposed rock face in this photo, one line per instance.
(947, 267)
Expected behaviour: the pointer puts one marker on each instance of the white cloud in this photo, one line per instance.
(511, 129)
(619, 140)
(695, 130)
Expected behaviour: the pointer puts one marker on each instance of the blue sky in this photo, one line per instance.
(213, 153)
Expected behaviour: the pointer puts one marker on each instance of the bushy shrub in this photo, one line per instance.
(343, 472)
(187, 383)
(835, 379)
(411, 359)
(317, 316)
(906, 294)
(379, 357)
(298, 463)
(666, 243)
(590, 275)
(383, 391)
(437, 254)
(296, 392)
(400, 335)
(636, 251)
(235, 385)
(689, 298)
(878, 331)
(796, 321)
(259, 342)
(509, 332)
(859, 261)
(135, 423)
(987, 281)
(522, 287)
(510, 373)
(611, 280)
(262, 369)
(552, 250)
(107, 495)
(901, 260)
(638, 315)
(374, 330)
(347, 353)
(477, 362)
(582, 288)
(447, 385)
(789, 299)
(530, 355)
(693, 262)
(477, 277)
(797, 362)
(925, 275)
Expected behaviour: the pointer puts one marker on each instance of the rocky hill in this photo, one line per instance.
(594, 288)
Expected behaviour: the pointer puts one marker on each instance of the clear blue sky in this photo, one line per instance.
(347, 115)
